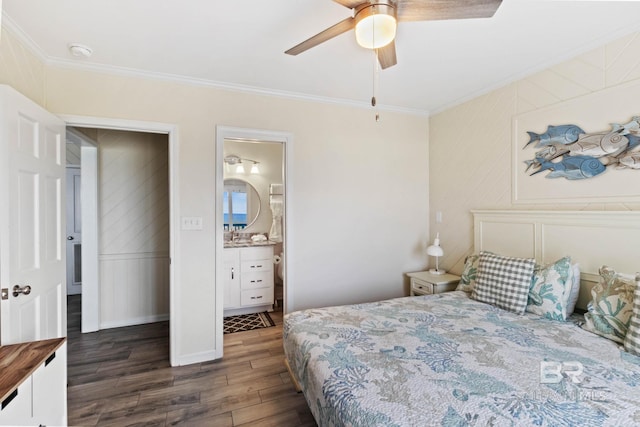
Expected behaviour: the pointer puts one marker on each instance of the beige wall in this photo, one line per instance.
(359, 188)
(21, 69)
(471, 144)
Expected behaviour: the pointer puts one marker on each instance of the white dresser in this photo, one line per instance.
(248, 283)
(33, 383)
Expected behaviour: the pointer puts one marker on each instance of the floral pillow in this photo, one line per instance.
(468, 278)
(632, 339)
(550, 289)
(610, 309)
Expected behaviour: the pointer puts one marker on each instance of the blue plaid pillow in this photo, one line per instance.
(503, 281)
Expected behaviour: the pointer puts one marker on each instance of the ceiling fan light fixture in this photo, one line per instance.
(376, 25)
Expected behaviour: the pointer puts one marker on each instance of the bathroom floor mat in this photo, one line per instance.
(247, 322)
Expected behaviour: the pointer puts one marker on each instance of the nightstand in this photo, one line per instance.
(425, 283)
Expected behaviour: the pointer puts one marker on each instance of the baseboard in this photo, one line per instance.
(134, 321)
(204, 356)
(247, 310)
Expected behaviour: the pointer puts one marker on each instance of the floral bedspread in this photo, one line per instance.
(449, 360)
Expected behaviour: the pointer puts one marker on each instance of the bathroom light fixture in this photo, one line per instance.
(376, 25)
(237, 161)
(436, 251)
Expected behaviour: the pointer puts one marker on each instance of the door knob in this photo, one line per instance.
(69, 237)
(25, 290)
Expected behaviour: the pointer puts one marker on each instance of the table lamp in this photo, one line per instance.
(436, 251)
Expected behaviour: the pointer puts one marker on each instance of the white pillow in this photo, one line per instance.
(575, 289)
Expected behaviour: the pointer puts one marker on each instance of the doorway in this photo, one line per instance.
(127, 229)
(255, 146)
(74, 230)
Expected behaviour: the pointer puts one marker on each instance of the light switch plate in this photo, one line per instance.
(192, 223)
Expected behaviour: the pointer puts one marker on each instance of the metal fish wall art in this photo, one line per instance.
(563, 134)
(576, 167)
(567, 151)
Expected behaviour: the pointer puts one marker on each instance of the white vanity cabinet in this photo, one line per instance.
(231, 276)
(248, 280)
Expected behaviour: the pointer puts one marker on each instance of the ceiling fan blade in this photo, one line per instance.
(432, 10)
(387, 55)
(351, 4)
(331, 32)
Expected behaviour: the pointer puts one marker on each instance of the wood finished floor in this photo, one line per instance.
(122, 377)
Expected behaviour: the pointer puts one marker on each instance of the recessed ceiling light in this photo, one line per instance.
(79, 50)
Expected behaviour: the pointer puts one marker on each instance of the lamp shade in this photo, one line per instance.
(434, 250)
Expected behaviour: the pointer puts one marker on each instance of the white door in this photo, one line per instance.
(74, 232)
(32, 255)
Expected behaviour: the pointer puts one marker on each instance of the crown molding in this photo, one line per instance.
(13, 28)
(233, 87)
(33, 47)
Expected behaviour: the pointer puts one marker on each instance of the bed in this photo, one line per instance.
(448, 359)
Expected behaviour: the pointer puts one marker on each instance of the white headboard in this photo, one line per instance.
(591, 238)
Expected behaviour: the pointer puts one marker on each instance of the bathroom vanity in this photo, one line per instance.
(248, 279)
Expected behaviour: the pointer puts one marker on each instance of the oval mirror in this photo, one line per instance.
(240, 204)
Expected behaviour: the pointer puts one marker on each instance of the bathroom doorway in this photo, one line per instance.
(257, 161)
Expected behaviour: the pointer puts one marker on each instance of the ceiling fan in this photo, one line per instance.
(375, 21)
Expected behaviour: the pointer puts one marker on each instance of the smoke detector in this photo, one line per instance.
(79, 50)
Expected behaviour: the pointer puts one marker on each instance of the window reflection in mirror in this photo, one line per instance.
(240, 204)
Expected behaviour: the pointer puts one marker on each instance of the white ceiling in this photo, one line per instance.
(240, 44)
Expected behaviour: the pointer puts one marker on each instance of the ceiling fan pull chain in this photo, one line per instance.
(373, 79)
(376, 74)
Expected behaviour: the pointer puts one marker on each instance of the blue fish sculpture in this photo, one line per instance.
(632, 126)
(574, 167)
(634, 141)
(563, 134)
(547, 153)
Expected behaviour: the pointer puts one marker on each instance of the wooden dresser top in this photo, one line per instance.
(19, 361)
